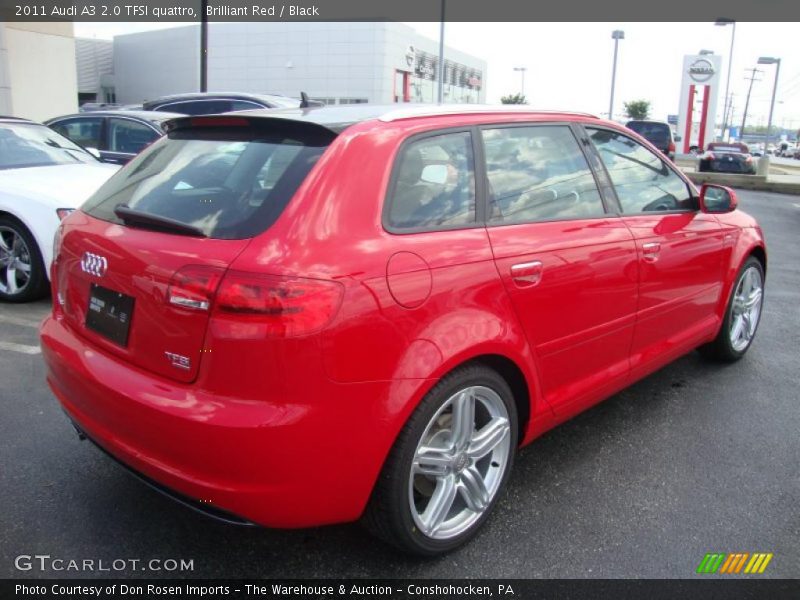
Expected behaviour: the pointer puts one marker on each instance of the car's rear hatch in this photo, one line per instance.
(139, 265)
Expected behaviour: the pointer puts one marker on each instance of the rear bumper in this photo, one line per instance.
(278, 464)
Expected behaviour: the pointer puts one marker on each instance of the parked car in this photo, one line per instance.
(118, 135)
(727, 157)
(657, 133)
(43, 177)
(95, 106)
(786, 149)
(379, 306)
(205, 103)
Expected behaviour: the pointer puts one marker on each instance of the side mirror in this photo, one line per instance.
(94, 152)
(717, 199)
(678, 138)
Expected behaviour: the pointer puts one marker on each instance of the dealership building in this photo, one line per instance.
(337, 63)
(37, 70)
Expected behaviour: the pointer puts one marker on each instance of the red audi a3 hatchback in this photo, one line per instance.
(308, 316)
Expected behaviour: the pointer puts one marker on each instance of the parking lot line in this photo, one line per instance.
(21, 348)
(19, 321)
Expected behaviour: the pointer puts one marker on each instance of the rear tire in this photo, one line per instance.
(22, 272)
(448, 466)
(742, 315)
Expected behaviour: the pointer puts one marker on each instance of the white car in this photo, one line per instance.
(43, 178)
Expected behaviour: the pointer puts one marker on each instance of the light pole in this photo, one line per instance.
(721, 22)
(616, 35)
(203, 47)
(441, 56)
(769, 60)
(522, 72)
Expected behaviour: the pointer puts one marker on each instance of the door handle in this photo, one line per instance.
(650, 251)
(527, 274)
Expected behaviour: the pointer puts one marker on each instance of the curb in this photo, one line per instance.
(747, 182)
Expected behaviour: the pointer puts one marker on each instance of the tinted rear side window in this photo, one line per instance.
(434, 184)
(537, 174)
(229, 184)
(197, 107)
(656, 133)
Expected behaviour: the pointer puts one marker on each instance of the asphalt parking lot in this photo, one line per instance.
(696, 458)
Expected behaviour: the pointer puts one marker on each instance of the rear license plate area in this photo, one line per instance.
(109, 314)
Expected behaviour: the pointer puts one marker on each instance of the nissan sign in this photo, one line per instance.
(701, 70)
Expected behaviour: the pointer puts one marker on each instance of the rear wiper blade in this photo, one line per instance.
(147, 220)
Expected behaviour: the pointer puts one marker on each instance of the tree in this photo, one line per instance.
(637, 109)
(514, 99)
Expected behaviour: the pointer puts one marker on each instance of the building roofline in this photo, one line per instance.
(435, 110)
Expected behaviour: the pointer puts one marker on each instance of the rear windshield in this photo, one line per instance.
(656, 133)
(740, 148)
(229, 184)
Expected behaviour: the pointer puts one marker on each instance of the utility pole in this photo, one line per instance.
(440, 87)
(203, 46)
(752, 79)
(727, 116)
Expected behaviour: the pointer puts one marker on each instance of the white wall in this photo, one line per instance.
(5, 78)
(325, 60)
(40, 61)
(94, 61)
(155, 63)
(321, 59)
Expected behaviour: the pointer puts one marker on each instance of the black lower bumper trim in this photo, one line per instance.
(208, 510)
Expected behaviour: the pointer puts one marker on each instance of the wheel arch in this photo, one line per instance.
(34, 232)
(760, 253)
(515, 378)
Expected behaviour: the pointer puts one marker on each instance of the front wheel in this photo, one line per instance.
(742, 315)
(448, 466)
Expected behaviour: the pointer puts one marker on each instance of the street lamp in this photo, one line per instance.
(441, 55)
(522, 70)
(722, 22)
(616, 35)
(769, 60)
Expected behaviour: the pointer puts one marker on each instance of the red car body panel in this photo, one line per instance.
(291, 432)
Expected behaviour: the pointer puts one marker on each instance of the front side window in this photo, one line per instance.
(86, 132)
(538, 174)
(434, 184)
(642, 180)
(129, 136)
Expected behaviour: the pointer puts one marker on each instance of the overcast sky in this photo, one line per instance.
(569, 64)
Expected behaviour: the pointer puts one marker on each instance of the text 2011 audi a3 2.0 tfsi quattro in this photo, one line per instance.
(311, 316)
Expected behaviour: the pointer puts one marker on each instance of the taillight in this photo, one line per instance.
(57, 242)
(280, 306)
(193, 286)
(671, 147)
(708, 156)
(748, 159)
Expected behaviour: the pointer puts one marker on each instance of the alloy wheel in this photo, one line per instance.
(459, 463)
(15, 262)
(746, 308)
